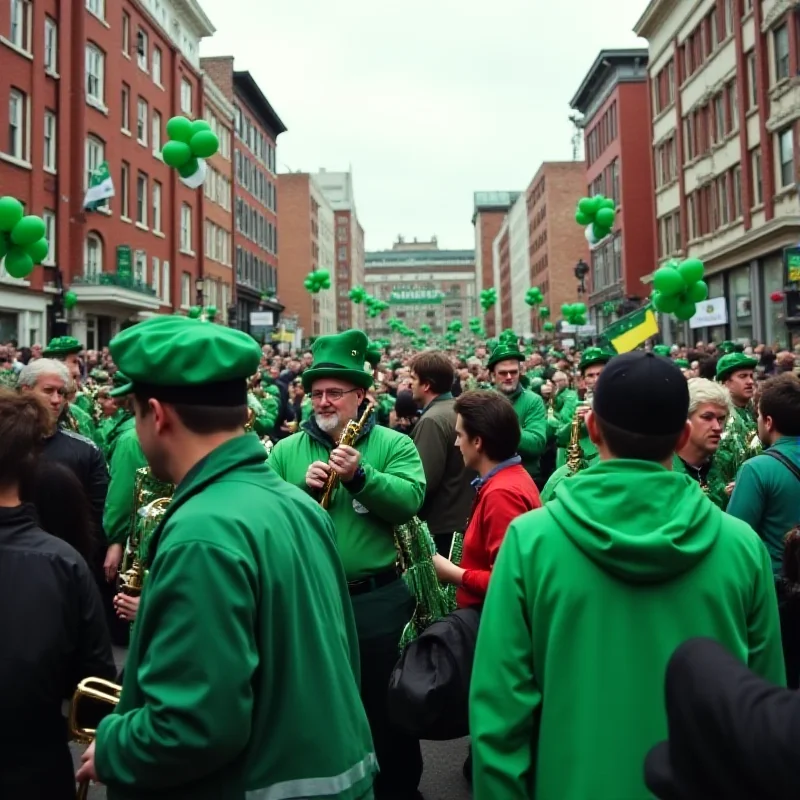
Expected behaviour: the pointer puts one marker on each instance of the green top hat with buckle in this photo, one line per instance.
(341, 356)
(507, 349)
(732, 362)
(62, 346)
(594, 355)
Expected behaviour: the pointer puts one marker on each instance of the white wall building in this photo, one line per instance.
(326, 241)
(519, 242)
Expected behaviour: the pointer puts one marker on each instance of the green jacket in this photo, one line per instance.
(265, 410)
(364, 521)
(589, 598)
(714, 482)
(81, 422)
(244, 650)
(124, 458)
(532, 416)
(561, 474)
(767, 497)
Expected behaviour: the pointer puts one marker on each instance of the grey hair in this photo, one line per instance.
(29, 375)
(702, 390)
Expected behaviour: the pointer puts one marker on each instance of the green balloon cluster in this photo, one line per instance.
(187, 142)
(358, 294)
(22, 241)
(398, 326)
(488, 298)
(574, 313)
(451, 338)
(425, 329)
(678, 287)
(374, 306)
(548, 327)
(534, 296)
(544, 312)
(317, 280)
(70, 300)
(608, 308)
(455, 326)
(508, 337)
(597, 215)
(476, 326)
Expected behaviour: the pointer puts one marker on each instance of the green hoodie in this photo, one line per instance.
(589, 598)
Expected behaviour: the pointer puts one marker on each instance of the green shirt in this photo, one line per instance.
(127, 457)
(532, 416)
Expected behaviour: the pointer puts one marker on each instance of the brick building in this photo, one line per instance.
(338, 189)
(618, 165)
(306, 229)
(724, 103)
(422, 284)
(86, 83)
(516, 313)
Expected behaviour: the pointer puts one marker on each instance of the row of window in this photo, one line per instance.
(665, 156)
(607, 263)
(221, 132)
(256, 227)
(668, 231)
(710, 124)
(602, 134)
(255, 181)
(703, 41)
(260, 146)
(536, 193)
(251, 270)
(218, 243)
(607, 183)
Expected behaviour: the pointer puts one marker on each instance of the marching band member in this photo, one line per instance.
(383, 485)
(242, 676)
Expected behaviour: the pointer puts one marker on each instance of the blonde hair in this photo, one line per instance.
(702, 391)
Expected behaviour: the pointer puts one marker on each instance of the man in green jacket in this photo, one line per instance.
(380, 484)
(242, 675)
(591, 595)
(505, 365)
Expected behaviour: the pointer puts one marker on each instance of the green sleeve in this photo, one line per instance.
(504, 696)
(197, 706)
(433, 451)
(128, 457)
(533, 423)
(765, 655)
(396, 493)
(549, 490)
(265, 421)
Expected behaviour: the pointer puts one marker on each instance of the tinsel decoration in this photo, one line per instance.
(456, 551)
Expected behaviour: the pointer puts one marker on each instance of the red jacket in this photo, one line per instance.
(507, 494)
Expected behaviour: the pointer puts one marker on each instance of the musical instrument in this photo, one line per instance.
(348, 437)
(94, 689)
(576, 460)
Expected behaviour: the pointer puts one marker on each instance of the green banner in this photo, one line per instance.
(124, 260)
(406, 296)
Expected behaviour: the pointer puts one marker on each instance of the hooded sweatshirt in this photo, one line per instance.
(589, 598)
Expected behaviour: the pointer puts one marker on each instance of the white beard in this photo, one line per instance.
(327, 422)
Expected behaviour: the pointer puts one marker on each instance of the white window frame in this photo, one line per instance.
(94, 155)
(95, 71)
(126, 108)
(19, 29)
(155, 283)
(126, 34)
(92, 245)
(125, 190)
(155, 132)
(142, 57)
(186, 229)
(186, 96)
(156, 65)
(157, 196)
(140, 266)
(97, 7)
(142, 199)
(49, 219)
(50, 154)
(781, 138)
(166, 283)
(50, 46)
(141, 120)
(17, 140)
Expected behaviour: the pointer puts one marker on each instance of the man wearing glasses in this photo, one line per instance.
(381, 485)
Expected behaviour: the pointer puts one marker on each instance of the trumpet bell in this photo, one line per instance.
(96, 689)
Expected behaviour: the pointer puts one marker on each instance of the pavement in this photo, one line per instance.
(442, 779)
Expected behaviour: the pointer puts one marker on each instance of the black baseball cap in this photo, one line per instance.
(642, 393)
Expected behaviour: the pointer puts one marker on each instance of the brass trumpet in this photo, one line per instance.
(94, 689)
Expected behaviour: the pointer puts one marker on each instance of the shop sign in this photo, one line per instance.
(791, 260)
(709, 313)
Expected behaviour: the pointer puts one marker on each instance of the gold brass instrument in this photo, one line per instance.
(576, 460)
(349, 435)
(93, 689)
(132, 578)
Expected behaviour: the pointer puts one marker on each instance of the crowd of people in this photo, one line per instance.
(599, 511)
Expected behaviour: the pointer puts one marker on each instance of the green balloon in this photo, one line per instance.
(179, 129)
(685, 311)
(666, 303)
(580, 308)
(194, 312)
(11, 212)
(211, 311)
(691, 270)
(70, 299)
(204, 144)
(544, 312)
(548, 326)
(176, 154)
(697, 292)
(28, 230)
(323, 274)
(608, 203)
(581, 218)
(668, 281)
(18, 263)
(38, 250)
(199, 125)
(4, 244)
(600, 231)
(604, 217)
(587, 206)
(189, 168)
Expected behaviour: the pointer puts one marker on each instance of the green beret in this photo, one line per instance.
(732, 362)
(662, 350)
(341, 356)
(726, 347)
(62, 346)
(594, 355)
(181, 360)
(557, 354)
(682, 363)
(505, 351)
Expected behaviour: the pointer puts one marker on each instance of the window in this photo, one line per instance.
(140, 266)
(49, 219)
(780, 45)
(16, 124)
(50, 45)
(97, 7)
(141, 121)
(785, 158)
(157, 65)
(126, 34)
(125, 189)
(95, 74)
(93, 255)
(94, 156)
(186, 289)
(141, 49)
(186, 96)
(737, 192)
(156, 206)
(156, 134)
(722, 199)
(186, 228)
(20, 17)
(126, 108)
(141, 199)
(752, 85)
(166, 282)
(50, 141)
(719, 117)
(758, 186)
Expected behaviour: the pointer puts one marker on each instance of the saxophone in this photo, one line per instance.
(576, 460)
(349, 435)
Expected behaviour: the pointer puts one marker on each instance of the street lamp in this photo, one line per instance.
(581, 271)
(198, 291)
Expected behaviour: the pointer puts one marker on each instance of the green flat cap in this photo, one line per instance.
(682, 363)
(341, 356)
(726, 347)
(594, 355)
(732, 362)
(505, 351)
(662, 350)
(62, 346)
(187, 361)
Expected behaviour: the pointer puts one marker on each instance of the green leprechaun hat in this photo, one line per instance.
(507, 348)
(62, 346)
(341, 356)
(732, 362)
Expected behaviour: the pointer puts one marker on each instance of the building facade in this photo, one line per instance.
(423, 286)
(350, 256)
(618, 155)
(725, 97)
(89, 83)
(519, 317)
(306, 229)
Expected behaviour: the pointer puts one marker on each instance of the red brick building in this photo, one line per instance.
(617, 139)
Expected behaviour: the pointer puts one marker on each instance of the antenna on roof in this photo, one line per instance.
(577, 134)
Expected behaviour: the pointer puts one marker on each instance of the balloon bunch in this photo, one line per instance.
(455, 326)
(425, 329)
(476, 326)
(374, 306)
(544, 312)
(358, 294)
(398, 326)
(548, 327)
(451, 338)
(22, 241)
(189, 144)
(678, 287)
(206, 314)
(534, 296)
(574, 313)
(317, 280)
(597, 215)
(488, 298)
(508, 337)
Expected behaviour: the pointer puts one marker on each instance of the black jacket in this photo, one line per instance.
(53, 631)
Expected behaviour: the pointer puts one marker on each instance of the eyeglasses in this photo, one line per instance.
(332, 394)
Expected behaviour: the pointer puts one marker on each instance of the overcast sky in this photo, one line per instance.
(427, 100)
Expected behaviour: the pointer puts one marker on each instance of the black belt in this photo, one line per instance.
(373, 582)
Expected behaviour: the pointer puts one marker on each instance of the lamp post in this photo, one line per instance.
(581, 271)
(198, 292)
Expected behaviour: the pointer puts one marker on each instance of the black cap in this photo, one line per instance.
(642, 393)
